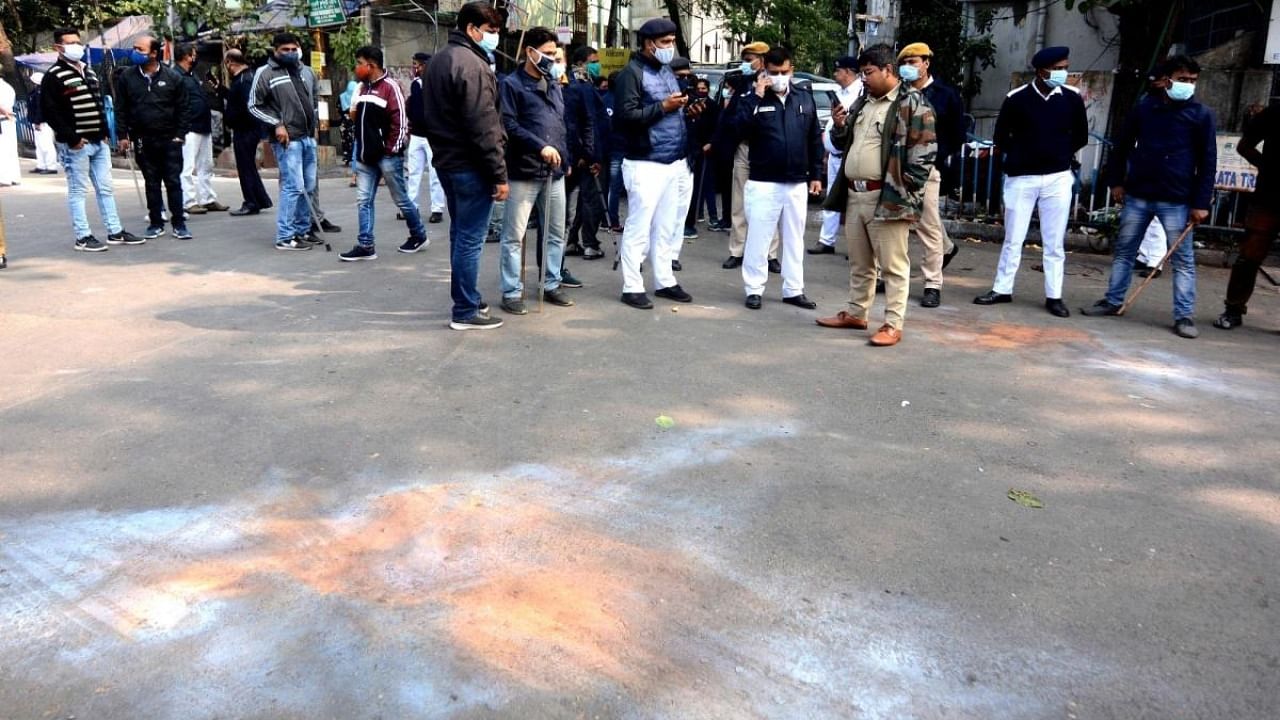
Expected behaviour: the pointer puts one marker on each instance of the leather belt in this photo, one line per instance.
(865, 185)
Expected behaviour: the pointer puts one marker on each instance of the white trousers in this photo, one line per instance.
(770, 205)
(197, 170)
(46, 151)
(831, 220)
(658, 198)
(1023, 194)
(1154, 244)
(417, 163)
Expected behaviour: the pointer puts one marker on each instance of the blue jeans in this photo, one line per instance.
(89, 164)
(392, 168)
(615, 187)
(470, 201)
(1134, 219)
(297, 163)
(520, 203)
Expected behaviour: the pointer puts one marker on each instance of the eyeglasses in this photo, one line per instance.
(868, 72)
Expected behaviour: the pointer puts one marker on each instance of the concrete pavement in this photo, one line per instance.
(238, 482)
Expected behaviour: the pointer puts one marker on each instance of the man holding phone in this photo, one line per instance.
(846, 74)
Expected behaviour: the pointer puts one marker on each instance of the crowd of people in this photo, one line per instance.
(554, 146)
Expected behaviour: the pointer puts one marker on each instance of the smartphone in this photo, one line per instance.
(835, 99)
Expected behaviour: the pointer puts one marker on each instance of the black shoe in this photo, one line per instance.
(932, 298)
(311, 238)
(991, 297)
(436, 217)
(557, 297)
(573, 250)
(690, 233)
(800, 301)
(880, 286)
(568, 280)
(414, 244)
(515, 306)
(592, 253)
(329, 227)
(399, 216)
(637, 300)
(1150, 272)
(775, 267)
(358, 253)
(89, 243)
(675, 292)
(1186, 327)
(153, 231)
(734, 261)
(1101, 308)
(476, 322)
(1228, 321)
(753, 302)
(676, 266)
(1057, 308)
(124, 237)
(244, 210)
(293, 243)
(946, 259)
(4, 262)
(821, 249)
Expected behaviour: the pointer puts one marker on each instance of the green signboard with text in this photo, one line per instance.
(325, 12)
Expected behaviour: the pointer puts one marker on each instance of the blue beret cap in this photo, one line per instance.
(848, 62)
(656, 28)
(1049, 56)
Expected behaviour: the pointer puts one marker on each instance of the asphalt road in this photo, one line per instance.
(242, 483)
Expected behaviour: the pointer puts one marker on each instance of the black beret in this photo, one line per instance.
(656, 28)
(1049, 56)
(848, 62)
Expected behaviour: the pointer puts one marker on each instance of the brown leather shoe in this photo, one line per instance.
(842, 319)
(887, 335)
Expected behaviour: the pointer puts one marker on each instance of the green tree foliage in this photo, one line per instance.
(958, 57)
(815, 32)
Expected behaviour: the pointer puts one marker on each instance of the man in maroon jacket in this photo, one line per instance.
(381, 135)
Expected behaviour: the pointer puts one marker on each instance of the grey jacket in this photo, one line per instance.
(281, 96)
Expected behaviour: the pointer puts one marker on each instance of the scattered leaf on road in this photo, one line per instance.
(1025, 499)
(665, 422)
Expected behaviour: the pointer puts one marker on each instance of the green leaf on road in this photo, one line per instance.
(1025, 499)
(665, 422)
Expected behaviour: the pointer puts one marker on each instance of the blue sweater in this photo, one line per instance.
(1167, 151)
(1039, 135)
(651, 133)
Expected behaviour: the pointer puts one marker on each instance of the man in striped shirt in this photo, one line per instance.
(381, 135)
(71, 103)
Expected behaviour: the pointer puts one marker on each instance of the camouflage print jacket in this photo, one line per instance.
(907, 150)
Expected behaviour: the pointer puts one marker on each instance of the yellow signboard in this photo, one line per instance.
(613, 59)
(317, 63)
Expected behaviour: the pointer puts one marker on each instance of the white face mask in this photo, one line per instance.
(779, 83)
(73, 52)
(664, 55)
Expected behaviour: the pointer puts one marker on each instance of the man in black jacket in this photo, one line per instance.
(779, 122)
(246, 134)
(466, 135)
(584, 202)
(915, 63)
(152, 112)
(417, 160)
(197, 152)
(71, 104)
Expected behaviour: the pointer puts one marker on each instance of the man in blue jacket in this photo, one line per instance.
(585, 202)
(651, 111)
(779, 122)
(1163, 166)
(537, 160)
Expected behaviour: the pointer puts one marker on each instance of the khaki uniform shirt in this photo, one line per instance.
(864, 161)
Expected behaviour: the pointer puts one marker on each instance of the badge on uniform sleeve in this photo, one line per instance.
(767, 108)
(161, 83)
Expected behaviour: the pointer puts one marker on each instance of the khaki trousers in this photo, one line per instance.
(737, 208)
(873, 242)
(933, 236)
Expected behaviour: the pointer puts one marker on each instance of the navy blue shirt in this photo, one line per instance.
(1167, 152)
(1038, 134)
(533, 116)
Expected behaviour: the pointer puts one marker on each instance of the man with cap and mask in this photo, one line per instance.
(914, 63)
(650, 109)
(1162, 166)
(1040, 128)
(730, 140)
(850, 80)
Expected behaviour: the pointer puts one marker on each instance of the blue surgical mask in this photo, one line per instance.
(1057, 78)
(909, 73)
(488, 42)
(746, 68)
(1181, 91)
(139, 58)
(664, 55)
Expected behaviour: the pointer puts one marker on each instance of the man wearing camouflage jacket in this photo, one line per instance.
(889, 148)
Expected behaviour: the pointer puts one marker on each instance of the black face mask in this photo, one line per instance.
(544, 65)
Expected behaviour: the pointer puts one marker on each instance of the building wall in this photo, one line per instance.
(708, 41)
